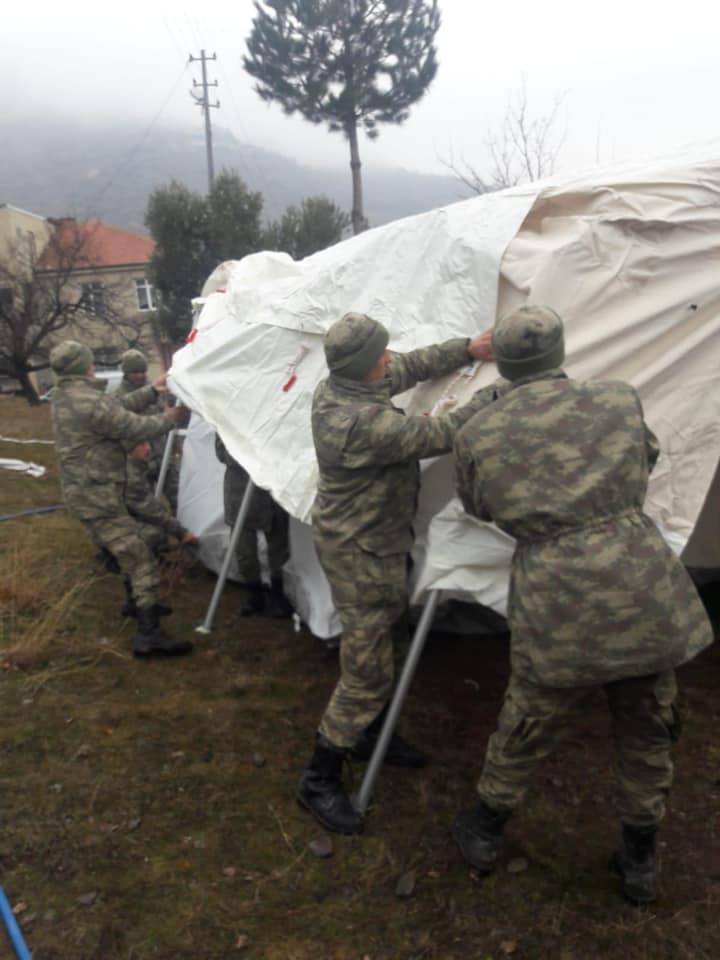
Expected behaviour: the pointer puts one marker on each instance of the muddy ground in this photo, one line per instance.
(147, 809)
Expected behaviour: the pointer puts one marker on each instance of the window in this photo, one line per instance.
(92, 298)
(145, 294)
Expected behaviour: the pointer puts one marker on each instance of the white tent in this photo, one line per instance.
(629, 257)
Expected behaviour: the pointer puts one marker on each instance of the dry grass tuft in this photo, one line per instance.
(38, 597)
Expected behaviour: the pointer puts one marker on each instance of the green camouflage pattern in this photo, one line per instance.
(370, 595)
(528, 341)
(264, 516)
(131, 544)
(596, 595)
(71, 358)
(368, 450)
(354, 344)
(152, 466)
(93, 432)
(145, 507)
(133, 361)
(534, 719)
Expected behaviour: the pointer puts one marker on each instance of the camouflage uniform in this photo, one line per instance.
(155, 522)
(264, 516)
(93, 432)
(134, 361)
(368, 453)
(597, 598)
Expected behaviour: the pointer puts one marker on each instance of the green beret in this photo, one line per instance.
(528, 341)
(71, 358)
(354, 344)
(133, 361)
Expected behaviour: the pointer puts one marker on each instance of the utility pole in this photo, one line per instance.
(203, 101)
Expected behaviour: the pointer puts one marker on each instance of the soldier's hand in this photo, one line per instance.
(141, 451)
(189, 538)
(480, 347)
(178, 414)
(160, 385)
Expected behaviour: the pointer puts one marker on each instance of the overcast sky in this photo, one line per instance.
(639, 78)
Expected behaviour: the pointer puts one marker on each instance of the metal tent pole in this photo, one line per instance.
(362, 798)
(167, 453)
(206, 625)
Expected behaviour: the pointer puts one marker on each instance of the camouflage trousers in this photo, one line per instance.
(121, 536)
(370, 594)
(533, 720)
(278, 547)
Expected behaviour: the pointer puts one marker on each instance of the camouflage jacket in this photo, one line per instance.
(262, 506)
(153, 406)
(368, 450)
(595, 593)
(93, 432)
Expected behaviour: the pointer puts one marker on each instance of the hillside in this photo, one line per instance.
(55, 167)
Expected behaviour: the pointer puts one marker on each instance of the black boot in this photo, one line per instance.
(399, 752)
(279, 604)
(129, 608)
(152, 641)
(253, 604)
(636, 863)
(478, 833)
(321, 791)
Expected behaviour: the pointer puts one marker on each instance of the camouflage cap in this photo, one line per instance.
(133, 361)
(71, 358)
(353, 345)
(527, 341)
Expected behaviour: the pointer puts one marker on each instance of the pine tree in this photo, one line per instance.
(353, 64)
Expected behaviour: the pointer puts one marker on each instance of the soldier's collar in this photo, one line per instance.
(373, 390)
(75, 378)
(556, 374)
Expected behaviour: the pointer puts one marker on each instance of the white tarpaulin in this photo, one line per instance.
(628, 256)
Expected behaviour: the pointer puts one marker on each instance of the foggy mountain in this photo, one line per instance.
(55, 168)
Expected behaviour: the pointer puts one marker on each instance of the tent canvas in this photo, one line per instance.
(628, 256)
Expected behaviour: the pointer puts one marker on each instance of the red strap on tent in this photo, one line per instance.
(292, 367)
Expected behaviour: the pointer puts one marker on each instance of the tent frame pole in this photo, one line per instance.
(362, 799)
(165, 463)
(206, 625)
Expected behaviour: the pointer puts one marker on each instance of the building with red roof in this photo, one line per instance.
(101, 268)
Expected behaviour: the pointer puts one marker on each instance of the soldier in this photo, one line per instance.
(597, 598)
(134, 367)
(93, 432)
(156, 523)
(368, 453)
(264, 516)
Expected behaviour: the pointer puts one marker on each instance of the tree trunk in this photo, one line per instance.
(27, 387)
(358, 217)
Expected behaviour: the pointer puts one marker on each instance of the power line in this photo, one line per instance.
(139, 144)
(234, 103)
(190, 23)
(170, 33)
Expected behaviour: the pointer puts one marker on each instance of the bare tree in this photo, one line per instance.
(43, 298)
(524, 149)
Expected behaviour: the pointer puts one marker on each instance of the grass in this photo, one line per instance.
(148, 808)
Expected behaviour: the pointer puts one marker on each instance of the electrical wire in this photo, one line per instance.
(138, 145)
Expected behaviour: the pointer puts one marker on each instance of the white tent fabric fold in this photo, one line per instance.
(628, 256)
